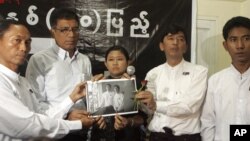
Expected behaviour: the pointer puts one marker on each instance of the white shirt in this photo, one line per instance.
(179, 92)
(106, 99)
(54, 75)
(22, 116)
(227, 102)
(118, 101)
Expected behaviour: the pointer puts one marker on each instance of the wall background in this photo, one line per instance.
(218, 12)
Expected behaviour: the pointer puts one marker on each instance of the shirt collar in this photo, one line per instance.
(245, 74)
(177, 66)
(63, 54)
(9, 73)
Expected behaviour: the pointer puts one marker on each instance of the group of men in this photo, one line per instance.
(182, 104)
(177, 89)
(41, 105)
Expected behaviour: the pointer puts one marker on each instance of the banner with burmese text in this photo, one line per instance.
(135, 24)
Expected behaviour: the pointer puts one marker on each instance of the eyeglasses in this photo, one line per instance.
(67, 30)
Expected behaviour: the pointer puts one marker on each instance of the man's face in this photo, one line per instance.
(66, 34)
(116, 89)
(174, 45)
(14, 46)
(108, 87)
(238, 45)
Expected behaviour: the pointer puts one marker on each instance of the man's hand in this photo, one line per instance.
(100, 122)
(78, 92)
(120, 122)
(77, 114)
(87, 121)
(146, 98)
(83, 116)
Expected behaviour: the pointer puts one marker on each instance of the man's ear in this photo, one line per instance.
(105, 63)
(225, 45)
(161, 46)
(52, 32)
(185, 49)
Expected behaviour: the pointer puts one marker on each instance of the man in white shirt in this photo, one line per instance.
(175, 91)
(21, 115)
(55, 71)
(107, 96)
(228, 94)
(118, 99)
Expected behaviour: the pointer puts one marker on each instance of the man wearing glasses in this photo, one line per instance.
(55, 71)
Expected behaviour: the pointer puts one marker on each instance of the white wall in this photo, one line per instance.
(245, 11)
(218, 11)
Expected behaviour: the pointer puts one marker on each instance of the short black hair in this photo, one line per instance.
(117, 48)
(117, 86)
(238, 21)
(5, 25)
(108, 85)
(173, 29)
(62, 13)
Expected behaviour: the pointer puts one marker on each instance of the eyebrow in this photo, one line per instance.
(247, 35)
(232, 36)
(20, 36)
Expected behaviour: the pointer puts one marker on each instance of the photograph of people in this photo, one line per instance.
(106, 98)
(118, 99)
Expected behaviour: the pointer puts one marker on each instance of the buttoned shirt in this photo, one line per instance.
(179, 93)
(106, 98)
(227, 102)
(21, 114)
(118, 101)
(54, 75)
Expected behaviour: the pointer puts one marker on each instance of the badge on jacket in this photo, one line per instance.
(185, 73)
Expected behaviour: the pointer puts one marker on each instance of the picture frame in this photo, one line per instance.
(111, 96)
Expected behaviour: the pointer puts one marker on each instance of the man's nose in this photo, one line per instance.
(71, 33)
(115, 62)
(240, 44)
(175, 41)
(25, 47)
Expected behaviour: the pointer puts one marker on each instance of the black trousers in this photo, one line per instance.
(169, 136)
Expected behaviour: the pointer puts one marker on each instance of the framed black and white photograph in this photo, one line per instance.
(111, 96)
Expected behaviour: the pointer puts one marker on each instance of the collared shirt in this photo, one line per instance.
(54, 75)
(118, 101)
(106, 99)
(22, 116)
(179, 92)
(227, 102)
